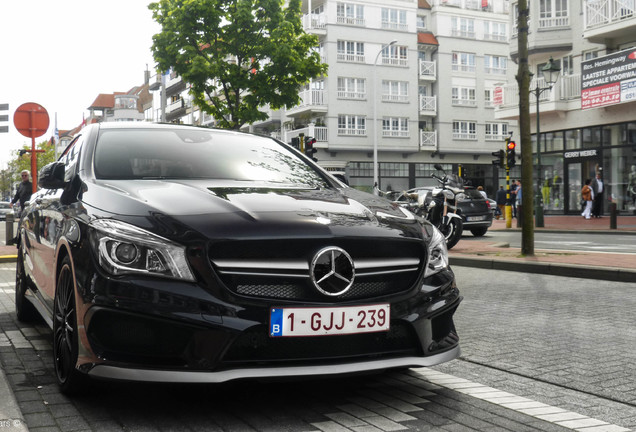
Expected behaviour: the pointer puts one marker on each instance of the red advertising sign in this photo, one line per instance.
(498, 96)
(600, 96)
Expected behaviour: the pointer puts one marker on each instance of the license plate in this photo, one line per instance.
(475, 218)
(329, 321)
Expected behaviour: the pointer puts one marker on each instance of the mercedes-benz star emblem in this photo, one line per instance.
(332, 271)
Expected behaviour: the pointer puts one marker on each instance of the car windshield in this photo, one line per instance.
(182, 153)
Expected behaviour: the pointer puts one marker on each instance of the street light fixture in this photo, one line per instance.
(375, 118)
(550, 73)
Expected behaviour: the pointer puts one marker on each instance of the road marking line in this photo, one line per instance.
(551, 414)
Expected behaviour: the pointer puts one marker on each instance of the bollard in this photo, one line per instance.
(8, 237)
(612, 209)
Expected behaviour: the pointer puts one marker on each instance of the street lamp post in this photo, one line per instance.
(376, 186)
(551, 74)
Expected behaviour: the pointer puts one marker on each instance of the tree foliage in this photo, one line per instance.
(237, 55)
(23, 162)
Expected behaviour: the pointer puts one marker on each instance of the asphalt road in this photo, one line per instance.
(540, 353)
(590, 242)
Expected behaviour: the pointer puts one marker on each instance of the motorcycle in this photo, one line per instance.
(439, 206)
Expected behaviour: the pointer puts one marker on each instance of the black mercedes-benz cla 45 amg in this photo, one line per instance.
(170, 253)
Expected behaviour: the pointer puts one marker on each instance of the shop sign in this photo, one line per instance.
(580, 154)
(609, 80)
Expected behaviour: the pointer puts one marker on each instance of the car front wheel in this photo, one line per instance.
(65, 342)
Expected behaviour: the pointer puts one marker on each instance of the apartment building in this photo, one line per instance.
(587, 120)
(409, 81)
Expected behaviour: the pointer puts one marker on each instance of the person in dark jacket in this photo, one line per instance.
(598, 188)
(500, 198)
(23, 194)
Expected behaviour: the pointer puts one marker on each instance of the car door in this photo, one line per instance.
(45, 225)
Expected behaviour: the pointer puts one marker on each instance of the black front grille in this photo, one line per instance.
(254, 346)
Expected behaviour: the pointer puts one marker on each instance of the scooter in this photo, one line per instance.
(440, 207)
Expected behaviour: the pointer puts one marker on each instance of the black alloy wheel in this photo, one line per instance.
(65, 338)
(24, 309)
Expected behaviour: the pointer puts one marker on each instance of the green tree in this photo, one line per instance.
(23, 162)
(237, 55)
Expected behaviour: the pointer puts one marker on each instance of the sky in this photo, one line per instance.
(62, 54)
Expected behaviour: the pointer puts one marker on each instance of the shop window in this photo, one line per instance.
(572, 139)
(553, 141)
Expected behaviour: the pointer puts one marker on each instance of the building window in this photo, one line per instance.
(361, 169)
(395, 55)
(426, 169)
(496, 131)
(463, 27)
(589, 55)
(395, 127)
(464, 130)
(352, 88)
(394, 169)
(350, 51)
(496, 65)
(488, 102)
(464, 96)
(463, 62)
(352, 125)
(348, 13)
(495, 31)
(394, 19)
(421, 23)
(567, 65)
(395, 91)
(553, 13)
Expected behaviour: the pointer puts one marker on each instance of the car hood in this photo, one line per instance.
(240, 209)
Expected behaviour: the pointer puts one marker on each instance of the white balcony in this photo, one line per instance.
(350, 21)
(318, 132)
(428, 140)
(605, 19)
(314, 22)
(428, 106)
(428, 70)
(310, 100)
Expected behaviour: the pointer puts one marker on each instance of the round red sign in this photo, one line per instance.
(31, 120)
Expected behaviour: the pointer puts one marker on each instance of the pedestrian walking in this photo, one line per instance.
(598, 188)
(587, 195)
(513, 198)
(23, 194)
(500, 198)
(519, 203)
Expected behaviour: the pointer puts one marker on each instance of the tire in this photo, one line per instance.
(478, 232)
(24, 309)
(65, 338)
(453, 232)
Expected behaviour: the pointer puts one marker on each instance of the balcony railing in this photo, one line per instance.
(312, 98)
(428, 69)
(603, 12)
(395, 98)
(351, 58)
(395, 26)
(314, 21)
(389, 133)
(350, 21)
(428, 103)
(545, 23)
(464, 102)
(356, 95)
(318, 132)
(392, 61)
(568, 87)
(428, 139)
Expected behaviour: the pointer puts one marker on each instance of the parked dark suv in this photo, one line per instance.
(178, 254)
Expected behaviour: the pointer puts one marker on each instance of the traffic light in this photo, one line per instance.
(500, 162)
(510, 154)
(309, 147)
(295, 142)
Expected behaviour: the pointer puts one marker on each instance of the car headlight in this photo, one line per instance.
(126, 249)
(437, 253)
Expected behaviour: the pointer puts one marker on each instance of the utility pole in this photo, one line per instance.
(527, 184)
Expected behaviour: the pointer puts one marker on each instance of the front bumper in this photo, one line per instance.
(170, 331)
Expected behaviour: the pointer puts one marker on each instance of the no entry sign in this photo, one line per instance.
(31, 120)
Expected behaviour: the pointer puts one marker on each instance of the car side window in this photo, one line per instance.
(71, 157)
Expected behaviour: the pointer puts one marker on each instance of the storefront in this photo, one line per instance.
(571, 156)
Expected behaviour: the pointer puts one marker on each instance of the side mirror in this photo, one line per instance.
(51, 176)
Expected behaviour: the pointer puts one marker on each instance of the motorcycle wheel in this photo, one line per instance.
(453, 232)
